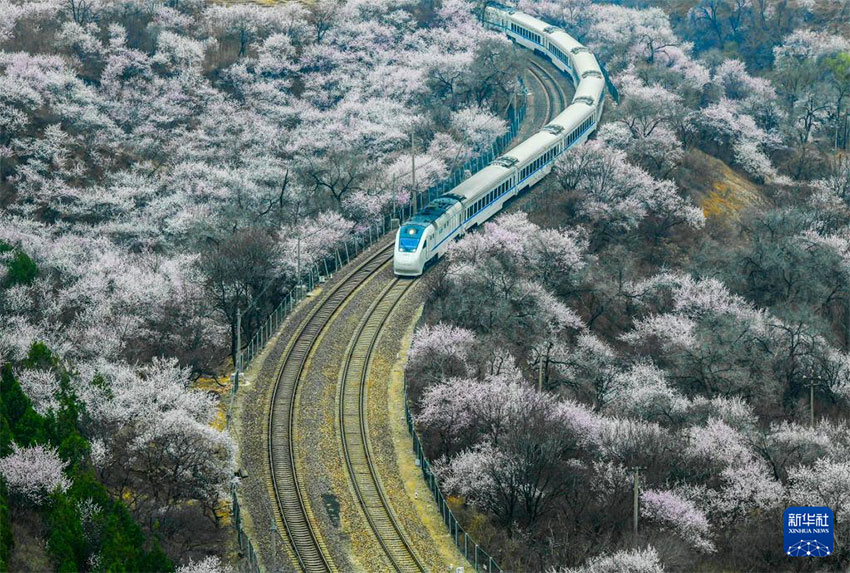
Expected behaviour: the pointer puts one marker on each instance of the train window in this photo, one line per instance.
(409, 238)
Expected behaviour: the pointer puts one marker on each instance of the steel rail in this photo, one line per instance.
(307, 547)
(556, 97)
(354, 431)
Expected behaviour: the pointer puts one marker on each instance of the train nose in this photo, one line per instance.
(407, 264)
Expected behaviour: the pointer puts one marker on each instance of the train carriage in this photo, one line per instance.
(426, 235)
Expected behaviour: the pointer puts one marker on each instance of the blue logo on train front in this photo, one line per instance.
(809, 532)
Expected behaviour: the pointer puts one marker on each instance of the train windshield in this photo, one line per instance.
(409, 238)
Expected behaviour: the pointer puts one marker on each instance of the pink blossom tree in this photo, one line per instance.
(633, 561)
(678, 514)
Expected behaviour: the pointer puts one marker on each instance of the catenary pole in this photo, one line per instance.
(413, 172)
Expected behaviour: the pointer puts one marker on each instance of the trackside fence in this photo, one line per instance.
(322, 269)
(477, 557)
(245, 545)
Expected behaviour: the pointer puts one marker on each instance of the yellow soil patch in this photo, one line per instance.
(730, 193)
(220, 386)
(721, 192)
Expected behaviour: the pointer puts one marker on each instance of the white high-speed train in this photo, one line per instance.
(426, 235)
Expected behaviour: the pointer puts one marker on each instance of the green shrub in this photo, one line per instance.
(20, 268)
(111, 533)
(6, 541)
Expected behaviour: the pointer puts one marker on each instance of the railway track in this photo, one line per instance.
(354, 431)
(306, 546)
(556, 98)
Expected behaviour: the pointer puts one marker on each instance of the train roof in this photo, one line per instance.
(584, 61)
(532, 146)
(589, 88)
(484, 178)
(434, 209)
(529, 22)
(563, 40)
(571, 117)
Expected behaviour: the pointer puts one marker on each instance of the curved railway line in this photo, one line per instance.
(556, 97)
(354, 432)
(550, 96)
(305, 545)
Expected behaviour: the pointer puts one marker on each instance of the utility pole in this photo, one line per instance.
(812, 402)
(540, 374)
(636, 470)
(396, 219)
(809, 375)
(413, 173)
(238, 365)
(298, 259)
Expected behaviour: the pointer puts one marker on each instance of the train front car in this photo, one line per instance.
(410, 253)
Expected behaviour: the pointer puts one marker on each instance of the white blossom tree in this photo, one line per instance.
(34, 472)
